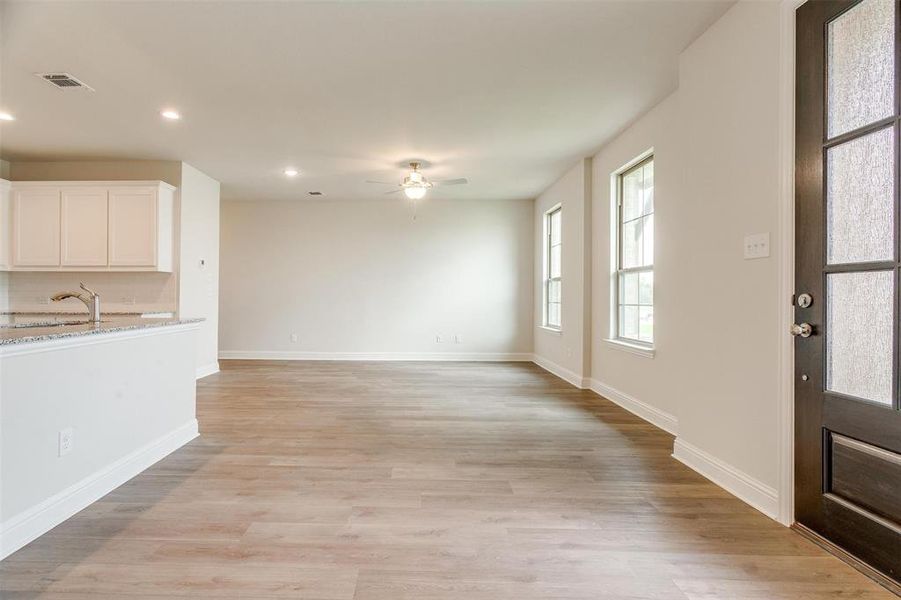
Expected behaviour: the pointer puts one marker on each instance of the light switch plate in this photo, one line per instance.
(757, 246)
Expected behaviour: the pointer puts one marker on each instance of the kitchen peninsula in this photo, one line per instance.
(87, 406)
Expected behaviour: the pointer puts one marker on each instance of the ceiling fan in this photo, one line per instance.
(415, 184)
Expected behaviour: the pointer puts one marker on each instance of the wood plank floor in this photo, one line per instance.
(426, 481)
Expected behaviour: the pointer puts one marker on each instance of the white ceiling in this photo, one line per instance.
(507, 94)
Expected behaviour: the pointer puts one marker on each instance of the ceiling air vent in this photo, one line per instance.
(64, 81)
(316, 193)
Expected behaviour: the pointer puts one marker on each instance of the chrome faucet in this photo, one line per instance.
(90, 298)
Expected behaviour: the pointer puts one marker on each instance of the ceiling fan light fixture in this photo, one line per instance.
(415, 192)
(416, 185)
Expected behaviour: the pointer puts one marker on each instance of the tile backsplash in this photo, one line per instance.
(130, 292)
(4, 291)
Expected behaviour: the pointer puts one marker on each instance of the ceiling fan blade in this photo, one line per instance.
(393, 191)
(382, 182)
(459, 181)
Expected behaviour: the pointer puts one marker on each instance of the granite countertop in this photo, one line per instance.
(75, 326)
(81, 313)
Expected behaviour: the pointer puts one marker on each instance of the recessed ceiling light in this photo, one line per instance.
(171, 115)
(291, 172)
(4, 116)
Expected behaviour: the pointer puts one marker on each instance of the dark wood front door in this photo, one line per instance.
(847, 419)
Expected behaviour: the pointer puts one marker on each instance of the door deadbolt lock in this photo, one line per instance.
(804, 300)
(803, 330)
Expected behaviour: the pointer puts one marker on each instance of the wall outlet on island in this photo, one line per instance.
(293, 338)
(66, 441)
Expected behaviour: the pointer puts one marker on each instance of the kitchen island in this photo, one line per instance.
(84, 407)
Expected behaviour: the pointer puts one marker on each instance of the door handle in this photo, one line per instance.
(804, 330)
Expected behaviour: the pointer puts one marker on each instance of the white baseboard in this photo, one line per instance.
(38, 520)
(651, 414)
(207, 370)
(736, 482)
(561, 372)
(377, 356)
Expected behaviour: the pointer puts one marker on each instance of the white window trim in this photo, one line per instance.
(546, 260)
(613, 340)
(646, 351)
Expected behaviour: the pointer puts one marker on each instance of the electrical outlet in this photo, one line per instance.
(437, 339)
(293, 338)
(128, 300)
(66, 441)
(43, 300)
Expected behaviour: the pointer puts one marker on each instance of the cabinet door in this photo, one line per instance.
(83, 224)
(36, 227)
(132, 227)
(5, 229)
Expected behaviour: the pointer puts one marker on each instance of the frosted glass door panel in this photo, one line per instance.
(861, 66)
(860, 334)
(860, 188)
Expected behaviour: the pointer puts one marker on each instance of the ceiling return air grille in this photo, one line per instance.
(64, 81)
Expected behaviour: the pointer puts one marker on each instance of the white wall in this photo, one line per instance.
(198, 274)
(97, 170)
(566, 352)
(729, 97)
(715, 378)
(128, 396)
(648, 380)
(362, 279)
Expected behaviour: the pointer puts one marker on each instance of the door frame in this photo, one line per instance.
(786, 267)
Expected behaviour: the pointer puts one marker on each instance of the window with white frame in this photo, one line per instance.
(553, 248)
(634, 277)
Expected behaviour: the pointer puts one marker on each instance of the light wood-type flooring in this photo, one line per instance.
(420, 481)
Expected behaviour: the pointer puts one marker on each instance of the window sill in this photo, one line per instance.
(551, 330)
(645, 351)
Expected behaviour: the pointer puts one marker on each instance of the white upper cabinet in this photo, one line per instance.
(134, 239)
(92, 226)
(5, 229)
(83, 227)
(35, 225)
